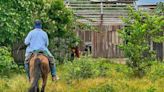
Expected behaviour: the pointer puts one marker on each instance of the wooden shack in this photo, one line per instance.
(104, 14)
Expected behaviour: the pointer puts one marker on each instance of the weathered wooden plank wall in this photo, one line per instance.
(158, 48)
(104, 43)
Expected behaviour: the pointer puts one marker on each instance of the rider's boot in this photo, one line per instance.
(53, 69)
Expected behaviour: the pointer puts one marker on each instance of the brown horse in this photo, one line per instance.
(39, 67)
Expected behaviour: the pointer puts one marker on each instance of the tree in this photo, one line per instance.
(62, 29)
(140, 30)
(17, 18)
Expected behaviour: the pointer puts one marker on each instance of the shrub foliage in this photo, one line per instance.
(140, 32)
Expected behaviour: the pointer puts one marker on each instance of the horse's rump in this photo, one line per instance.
(38, 61)
(39, 67)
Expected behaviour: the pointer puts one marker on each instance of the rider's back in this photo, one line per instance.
(37, 40)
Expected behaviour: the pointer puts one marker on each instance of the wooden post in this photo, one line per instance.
(101, 17)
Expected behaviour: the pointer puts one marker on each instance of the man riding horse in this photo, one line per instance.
(37, 40)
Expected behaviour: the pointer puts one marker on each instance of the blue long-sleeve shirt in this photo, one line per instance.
(37, 39)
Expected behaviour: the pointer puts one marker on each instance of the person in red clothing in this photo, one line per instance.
(77, 52)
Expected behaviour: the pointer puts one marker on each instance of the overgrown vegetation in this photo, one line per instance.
(7, 64)
(91, 68)
(85, 68)
(102, 88)
(6, 60)
(140, 32)
(117, 78)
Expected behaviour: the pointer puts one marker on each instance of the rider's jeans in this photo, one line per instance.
(26, 66)
(53, 70)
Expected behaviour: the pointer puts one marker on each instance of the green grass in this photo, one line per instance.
(117, 78)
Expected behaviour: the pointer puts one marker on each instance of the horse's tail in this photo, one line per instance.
(37, 72)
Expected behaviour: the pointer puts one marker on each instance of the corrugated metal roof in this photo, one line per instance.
(100, 13)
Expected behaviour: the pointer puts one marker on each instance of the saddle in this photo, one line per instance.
(38, 52)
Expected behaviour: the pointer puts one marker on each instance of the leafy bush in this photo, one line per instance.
(157, 71)
(6, 61)
(103, 88)
(86, 68)
(140, 32)
(17, 18)
(81, 69)
(103, 68)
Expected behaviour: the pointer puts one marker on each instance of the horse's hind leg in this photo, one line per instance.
(44, 77)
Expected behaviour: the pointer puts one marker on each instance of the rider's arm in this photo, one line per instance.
(27, 39)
